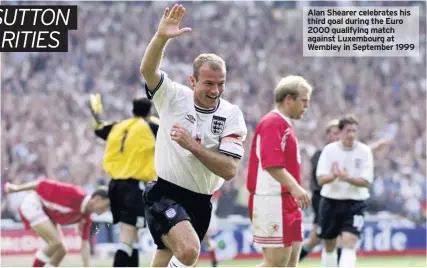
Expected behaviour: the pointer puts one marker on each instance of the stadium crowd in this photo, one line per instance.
(45, 119)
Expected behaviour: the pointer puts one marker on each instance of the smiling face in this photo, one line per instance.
(208, 80)
(208, 87)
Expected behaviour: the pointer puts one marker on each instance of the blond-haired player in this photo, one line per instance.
(276, 197)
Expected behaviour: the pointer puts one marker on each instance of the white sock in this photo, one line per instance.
(329, 259)
(41, 256)
(125, 247)
(348, 258)
(174, 262)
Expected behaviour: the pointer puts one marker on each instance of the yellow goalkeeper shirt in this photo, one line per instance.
(129, 150)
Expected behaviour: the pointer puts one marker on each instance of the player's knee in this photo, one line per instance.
(188, 254)
(61, 252)
(128, 233)
(349, 240)
(293, 261)
(329, 244)
(278, 260)
(58, 246)
(313, 240)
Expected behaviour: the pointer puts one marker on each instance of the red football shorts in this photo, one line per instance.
(276, 220)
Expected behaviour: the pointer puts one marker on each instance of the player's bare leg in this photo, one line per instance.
(313, 240)
(127, 238)
(161, 258)
(329, 253)
(348, 255)
(60, 253)
(210, 248)
(184, 243)
(339, 248)
(296, 250)
(49, 233)
(134, 262)
(276, 257)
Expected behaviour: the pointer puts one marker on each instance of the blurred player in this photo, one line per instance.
(208, 242)
(332, 135)
(345, 172)
(54, 204)
(274, 176)
(199, 145)
(129, 160)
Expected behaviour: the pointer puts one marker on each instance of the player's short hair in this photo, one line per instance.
(141, 107)
(291, 85)
(216, 63)
(347, 120)
(331, 123)
(101, 191)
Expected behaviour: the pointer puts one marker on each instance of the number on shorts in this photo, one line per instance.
(122, 146)
(358, 222)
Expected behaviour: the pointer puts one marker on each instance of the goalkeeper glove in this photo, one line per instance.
(97, 110)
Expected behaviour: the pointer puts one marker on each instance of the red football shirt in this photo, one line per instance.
(274, 145)
(65, 204)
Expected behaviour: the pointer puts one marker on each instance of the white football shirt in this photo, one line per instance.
(221, 129)
(359, 163)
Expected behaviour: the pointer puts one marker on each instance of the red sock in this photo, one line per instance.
(38, 263)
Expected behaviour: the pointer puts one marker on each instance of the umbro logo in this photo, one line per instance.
(190, 118)
(170, 213)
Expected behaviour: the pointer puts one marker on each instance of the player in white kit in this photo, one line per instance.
(345, 171)
(199, 145)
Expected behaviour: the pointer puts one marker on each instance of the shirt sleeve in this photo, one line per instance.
(163, 93)
(86, 227)
(368, 168)
(234, 135)
(104, 131)
(324, 166)
(271, 152)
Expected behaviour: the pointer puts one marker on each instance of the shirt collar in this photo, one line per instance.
(347, 148)
(287, 119)
(207, 111)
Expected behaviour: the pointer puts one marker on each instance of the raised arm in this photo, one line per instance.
(379, 144)
(102, 129)
(168, 29)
